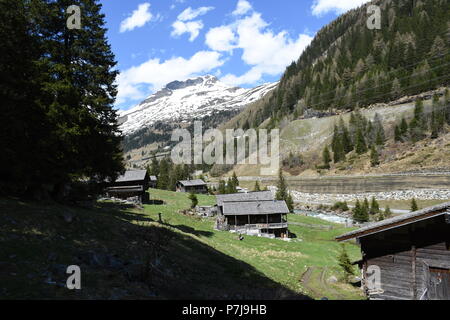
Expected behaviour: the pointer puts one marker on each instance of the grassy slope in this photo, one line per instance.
(309, 136)
(283, 262)
(195, 261)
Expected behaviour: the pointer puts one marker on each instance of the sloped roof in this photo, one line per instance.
(242, 208)
(250, 196)
(132, 175)
(192, 183)
(153, 178)
(398, 221)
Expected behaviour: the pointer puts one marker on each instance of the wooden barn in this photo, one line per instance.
(132, 184)
(192, 186)
(411, 253)
(253, 213)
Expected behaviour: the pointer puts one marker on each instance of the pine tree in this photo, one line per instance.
(379, 130)
(235, 180)
(257, 186)
(194, 200)
(357, 212)
(282, 190)
(346, 139)
(404, 127)
(387, 212)
(345, 263)
(374, 157)
(414, 206)
(290, 203)
(222, 187)
(361, 146)
(365, 207)
(326, 158)
(153, 168)
(164, 175)
(374, 206)
(67, 87)
(397, 134)
(231, 187)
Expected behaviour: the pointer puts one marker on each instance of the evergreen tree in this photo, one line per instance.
(164, 175)
(326, 158)
(404, 127)
(346, 139)
(153, 168)
(282, 191)
(235, 180)
(194, 200)
(414, 206)
(397, 134)
(257, 186)
(290, 203)
(345, 264)
(374, 157)
(222, 187)
(231, 187)
(361, 212)
(387, 212)
(68, 89)
(361, 146)
(374, 206)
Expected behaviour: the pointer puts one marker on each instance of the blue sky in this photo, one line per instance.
(242, 42)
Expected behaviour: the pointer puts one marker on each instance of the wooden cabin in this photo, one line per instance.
(253, 213)
(132, 184)
(412, 253)
(192, 186)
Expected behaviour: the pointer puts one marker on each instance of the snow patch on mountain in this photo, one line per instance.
(182, 101)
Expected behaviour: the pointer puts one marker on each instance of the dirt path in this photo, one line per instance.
(329, 288)
(305, 281)
(325, 290)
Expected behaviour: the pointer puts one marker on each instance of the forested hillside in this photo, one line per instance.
(348, 65)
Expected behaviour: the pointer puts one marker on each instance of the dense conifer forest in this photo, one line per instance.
(349, 66)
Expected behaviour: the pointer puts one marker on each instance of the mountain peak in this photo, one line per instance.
(207, 80)
(190, 99)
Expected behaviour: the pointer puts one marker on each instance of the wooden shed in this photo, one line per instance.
(132, 184)
(253, 213)
(192, 186)
(411, 253)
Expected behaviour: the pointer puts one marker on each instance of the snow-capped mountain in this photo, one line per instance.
(186, 100)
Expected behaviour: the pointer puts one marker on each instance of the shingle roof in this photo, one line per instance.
(254, 208)
(132, 175)
(192, 183)
(153, 178)
(250, 196)
(398, 221)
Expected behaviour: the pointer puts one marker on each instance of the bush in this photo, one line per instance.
(340, 206)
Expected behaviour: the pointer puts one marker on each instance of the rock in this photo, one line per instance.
(332, 279)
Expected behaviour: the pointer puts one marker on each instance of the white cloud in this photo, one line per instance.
(138, 82)
(138, 18)
(191, 27)
(221, 38)
(242, 8)
(321, 7)
(190, 14)
(266, 52)
(184, 23)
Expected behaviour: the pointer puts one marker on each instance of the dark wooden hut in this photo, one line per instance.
(132, 184)
(411, 253)
(192, 186)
